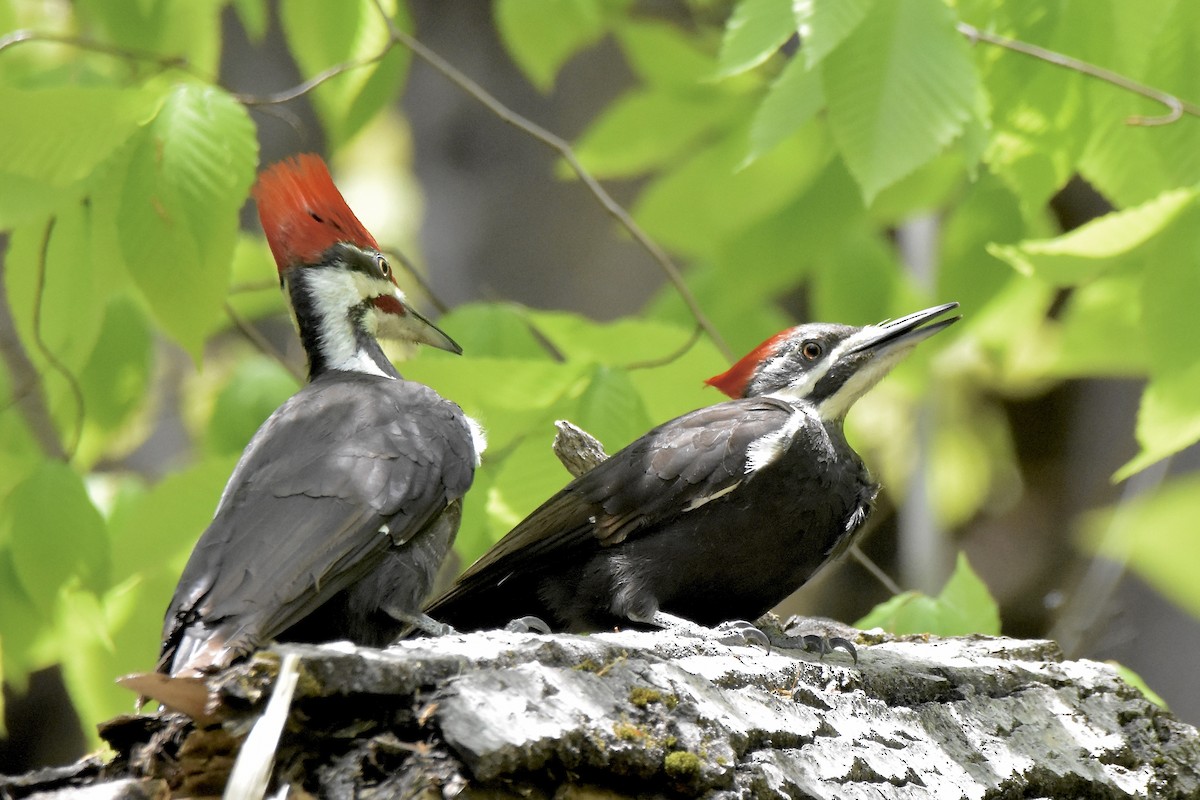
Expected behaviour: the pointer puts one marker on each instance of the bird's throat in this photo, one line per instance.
(331, 318)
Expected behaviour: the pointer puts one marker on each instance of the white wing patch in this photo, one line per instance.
(478, 438)
(699, 501)
(766, 449)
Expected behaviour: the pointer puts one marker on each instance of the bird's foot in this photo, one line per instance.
(527, 625)
(734, 632)
(421, 623)
(817, 635)
(824, 645)
(739, 631)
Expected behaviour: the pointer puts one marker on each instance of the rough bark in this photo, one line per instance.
(657, 713)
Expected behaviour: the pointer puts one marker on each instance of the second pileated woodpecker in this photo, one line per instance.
(348, 497)
(715, 516)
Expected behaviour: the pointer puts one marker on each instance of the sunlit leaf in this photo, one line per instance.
(646, 129)
(611, 409)
(708, 199)
(47, 146)
(1090, 249)
(191, 29)
(900, 89)
(178, 219)
(794, 98)
(662, 55)
(1156, 532)
(154, 530)
(542, 34)
(1135, 680)
(115, 379)
(56, 535)
(754, 31)
(824, 24)
(259, 385)
(323, 35)
(964, 606)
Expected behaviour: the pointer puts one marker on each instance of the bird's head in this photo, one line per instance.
(322, 249)
(825, 366)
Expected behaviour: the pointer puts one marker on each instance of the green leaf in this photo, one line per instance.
(541, 35)
(663, 56)
(153, 531)
(963, 607)
(115, 379)
(191, 30)
(509, 397)
(178, 219)
(259, 386)
(1092, 248)
(1156, 532)
(825, 24)
(793, 100)
(611, 409)
(1132, 163)
(47, 146)
(708, 200)
(529, 476)
(66, 315)
(493, 330)
(322, 35)
(1168, 418)
(622, 342)
(254, 17)
(900, 89)
(1100, 332)
(1136, 681)
(644, 129)
(56, 535)
(754, 31)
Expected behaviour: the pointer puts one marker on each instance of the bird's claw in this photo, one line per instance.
(739, 631)
(824, 645)
(527, 625)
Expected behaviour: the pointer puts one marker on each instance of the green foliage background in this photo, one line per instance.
(769, 168)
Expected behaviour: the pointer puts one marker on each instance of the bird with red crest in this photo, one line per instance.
(711, 518)
(347, 499)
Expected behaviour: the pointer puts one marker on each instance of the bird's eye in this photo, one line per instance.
(385, 268)
(811, 351)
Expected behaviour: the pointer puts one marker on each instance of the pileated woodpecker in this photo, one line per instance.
(713, 517)
(347, 499)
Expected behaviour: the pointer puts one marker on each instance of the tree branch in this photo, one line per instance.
(29, 398)
(1177, 107)
(560, 146)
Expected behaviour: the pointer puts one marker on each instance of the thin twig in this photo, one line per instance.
(671, 357)
(55, 363)
(868, 563)
(287, 95)
(126, 53)
(1092, 596)
(559, 145)
(29, 399)
(1177, 106)
(262, 343)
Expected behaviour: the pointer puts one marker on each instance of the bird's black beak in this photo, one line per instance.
(908, 330)
(427, 333)
(399, 320)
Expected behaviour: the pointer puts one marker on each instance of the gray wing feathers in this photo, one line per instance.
(302, 514)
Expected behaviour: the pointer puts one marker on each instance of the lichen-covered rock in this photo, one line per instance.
(658, 713)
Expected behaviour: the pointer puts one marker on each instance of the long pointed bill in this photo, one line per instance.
(870, 354)
(399, 320)
(907, 330)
